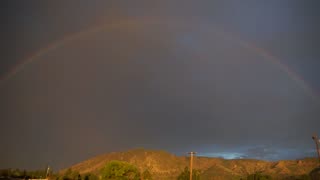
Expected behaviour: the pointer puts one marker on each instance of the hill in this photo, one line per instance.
(164, 165)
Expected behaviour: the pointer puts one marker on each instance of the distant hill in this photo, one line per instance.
(164, 165)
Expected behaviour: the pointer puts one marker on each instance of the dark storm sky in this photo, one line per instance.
(171, 75)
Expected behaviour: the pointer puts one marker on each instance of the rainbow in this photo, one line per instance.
(131, 23)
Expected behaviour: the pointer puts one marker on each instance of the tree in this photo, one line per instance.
(16, 173)
(185, 174)
(146, 175)
(315, 173)
(89, 176)
(67, 174)
(120, 170)
(4, 173)
(303, 177)
(71, 175)
(258, 176)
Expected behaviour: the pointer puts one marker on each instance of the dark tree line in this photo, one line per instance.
(75, 175)
(23, 174)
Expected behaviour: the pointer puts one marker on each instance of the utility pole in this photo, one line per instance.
(47, 171)
(317, 141)
(191, 162)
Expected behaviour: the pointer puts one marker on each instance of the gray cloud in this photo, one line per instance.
(181, 84)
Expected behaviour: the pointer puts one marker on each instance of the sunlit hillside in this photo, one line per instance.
(164, 165)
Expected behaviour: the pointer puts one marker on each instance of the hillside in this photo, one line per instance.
(164, 165)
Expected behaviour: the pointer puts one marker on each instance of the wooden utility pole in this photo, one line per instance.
(47, 172)
(191, 163)
(317, 141)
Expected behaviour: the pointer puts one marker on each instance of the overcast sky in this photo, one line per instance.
(232, 79)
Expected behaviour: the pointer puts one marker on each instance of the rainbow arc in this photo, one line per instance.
(132, 23)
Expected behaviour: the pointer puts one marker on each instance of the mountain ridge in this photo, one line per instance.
(164, 165)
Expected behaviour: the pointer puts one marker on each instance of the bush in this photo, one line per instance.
(258, 176)
(120, 170)
(89, 176)
(185, 174)
(146, 175)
